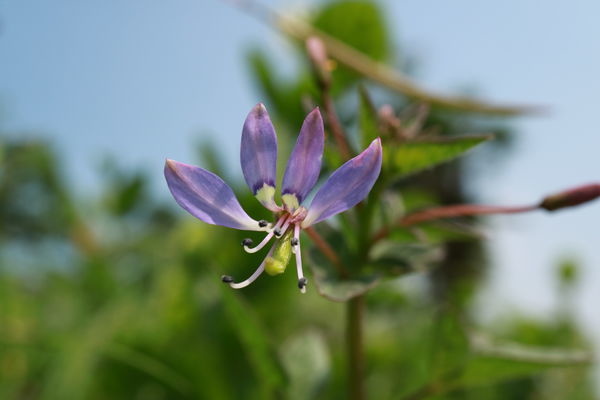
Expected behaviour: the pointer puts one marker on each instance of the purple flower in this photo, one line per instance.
(205, 195)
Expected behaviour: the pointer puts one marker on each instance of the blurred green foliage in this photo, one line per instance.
(118, 296)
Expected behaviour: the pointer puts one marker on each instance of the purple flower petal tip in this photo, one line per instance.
(258, 152)
(258, 155)
(304, 165)
(206, 196)
(347, 186)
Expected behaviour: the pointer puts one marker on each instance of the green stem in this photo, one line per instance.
(356, 358)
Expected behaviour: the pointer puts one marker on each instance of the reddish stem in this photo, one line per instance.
(334, 124)
(327, 251)
(459, 210)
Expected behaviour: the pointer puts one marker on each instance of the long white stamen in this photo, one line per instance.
(285, 226)
(296, 249)
(252, 277)
(267, 238)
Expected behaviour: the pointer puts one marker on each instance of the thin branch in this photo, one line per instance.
(486, 346)
(334, 125)
(327, 251)
(567, 198)
(317, 55)
(376, 71)
(460, 210)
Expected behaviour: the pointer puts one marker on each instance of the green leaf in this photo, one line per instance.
(332, 287)
(72, 371)
(151, 366)
(411, 157)
(513, 351)
(363, 28)
(499, 361)
(489, 362)
(403, 258)
(333, 284)
(259, 350)
(306, 359)
(444, 231)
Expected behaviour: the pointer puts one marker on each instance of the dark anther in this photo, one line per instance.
(247, 242)
(295, 241)
(262, 223)
(302, 282)
(277, 232)
(227, 278)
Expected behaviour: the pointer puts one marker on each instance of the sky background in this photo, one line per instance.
(145, 80)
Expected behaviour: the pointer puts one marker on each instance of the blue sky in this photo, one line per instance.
(143, 80)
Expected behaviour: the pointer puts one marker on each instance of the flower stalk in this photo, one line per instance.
(355, 343)
(317, 54)
(565, 199)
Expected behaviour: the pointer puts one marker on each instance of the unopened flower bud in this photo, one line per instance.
(317, 55)
(571, 197)
(388, 121)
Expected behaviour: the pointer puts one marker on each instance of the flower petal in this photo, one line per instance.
(347, 186)
(303, 168)
(205, 196)
(258, 155)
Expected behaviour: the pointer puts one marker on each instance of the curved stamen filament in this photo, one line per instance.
(252, 277)
(284, 227)
(268, 237)
(296, 250)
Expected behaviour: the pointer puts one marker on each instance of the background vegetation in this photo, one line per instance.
(118, 296)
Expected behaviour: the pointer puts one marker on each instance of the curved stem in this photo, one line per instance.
(327, 251)
(334, 124)
(452, 211)
(376, 71)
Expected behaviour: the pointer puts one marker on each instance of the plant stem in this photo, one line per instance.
(334, 125)
(327, 251)
(356, 358)
(452, 211)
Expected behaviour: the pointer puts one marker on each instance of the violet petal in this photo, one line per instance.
(347, 186)
(205, 196)
(258, 154)
(304, 165)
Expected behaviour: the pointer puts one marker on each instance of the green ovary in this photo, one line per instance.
(276, 263)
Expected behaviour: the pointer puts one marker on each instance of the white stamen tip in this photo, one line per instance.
(302, 281)
(229, 280)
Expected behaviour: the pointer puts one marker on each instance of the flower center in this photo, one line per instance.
(287, 233)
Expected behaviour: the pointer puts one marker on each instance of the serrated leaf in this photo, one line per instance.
(414, 156)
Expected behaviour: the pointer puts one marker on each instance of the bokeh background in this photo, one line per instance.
(108, 290)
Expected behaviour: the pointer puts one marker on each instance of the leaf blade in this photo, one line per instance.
(415, 156)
